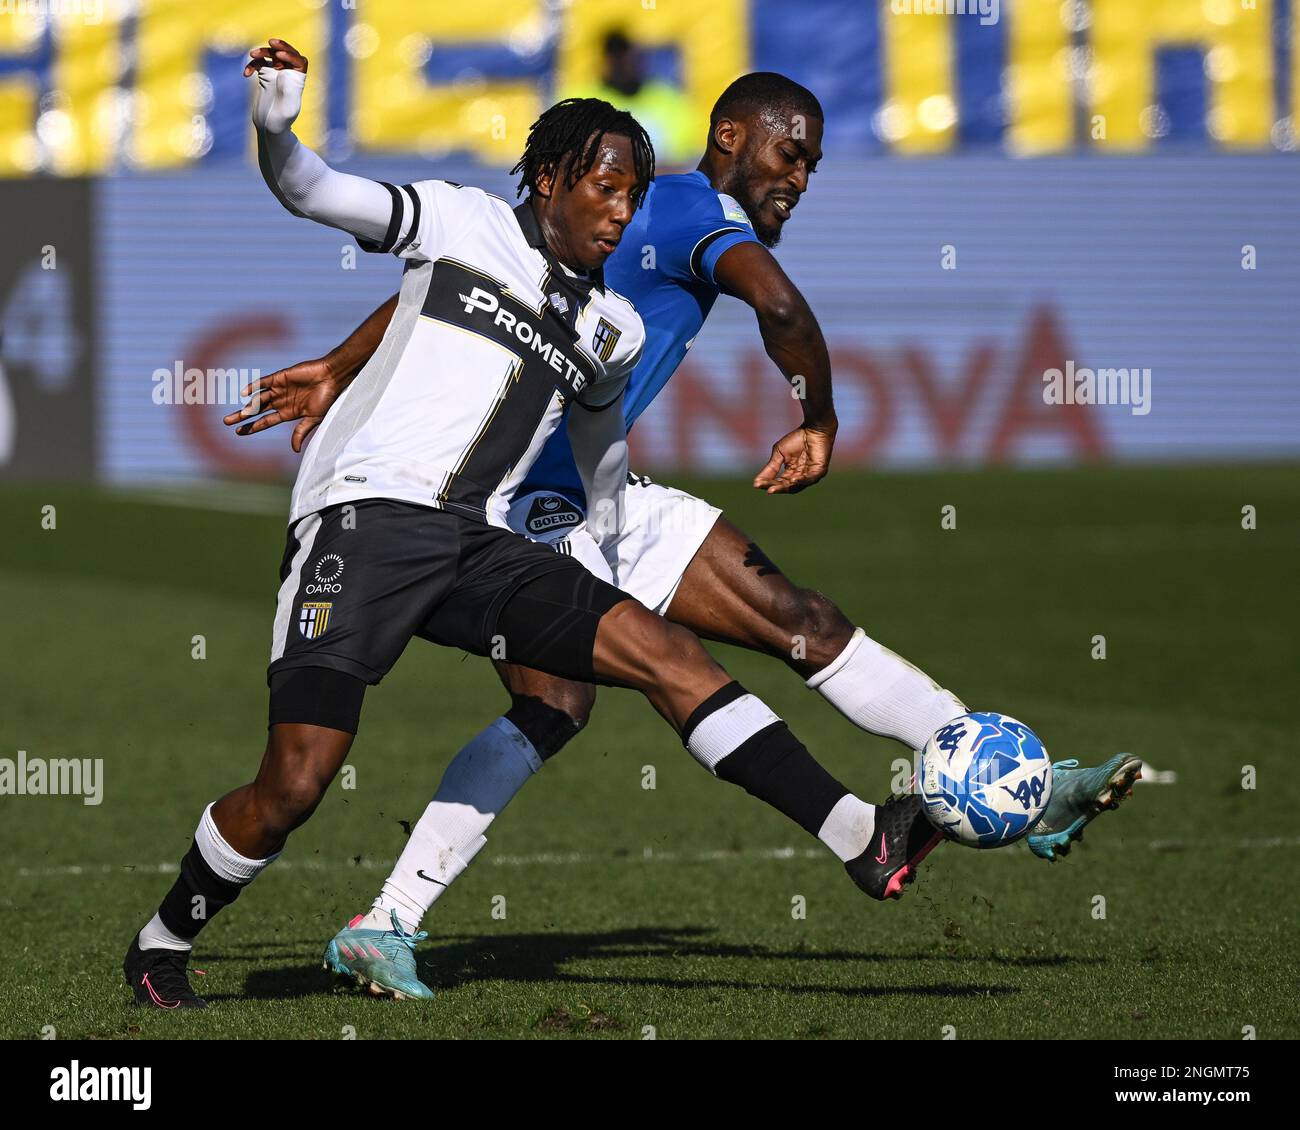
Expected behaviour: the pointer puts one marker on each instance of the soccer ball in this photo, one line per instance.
(985, 779)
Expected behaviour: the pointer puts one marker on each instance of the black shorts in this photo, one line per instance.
(358, 581)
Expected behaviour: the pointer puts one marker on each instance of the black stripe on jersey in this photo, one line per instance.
(415, 219)
(499, 443)
(471, 301)
(394, 222)
(697, 255)
(450, 293)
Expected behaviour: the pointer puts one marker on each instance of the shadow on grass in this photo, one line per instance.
(456, 960)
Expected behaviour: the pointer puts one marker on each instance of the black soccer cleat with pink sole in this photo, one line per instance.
(903, 837)
(158, 978)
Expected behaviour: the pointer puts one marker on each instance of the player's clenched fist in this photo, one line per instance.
(281, 72)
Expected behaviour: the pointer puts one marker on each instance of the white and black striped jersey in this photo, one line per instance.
(492, 339)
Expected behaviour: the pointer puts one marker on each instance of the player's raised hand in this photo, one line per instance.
(277, 55)
(799, 459)
(281, 73)
(302, 392)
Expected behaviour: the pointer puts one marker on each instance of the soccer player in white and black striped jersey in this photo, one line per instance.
(397, 529)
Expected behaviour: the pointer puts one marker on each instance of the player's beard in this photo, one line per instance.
(769, 234)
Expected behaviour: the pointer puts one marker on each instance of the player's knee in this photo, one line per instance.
(813, 630)
(651, 651)
(552, 720)
(678, 651)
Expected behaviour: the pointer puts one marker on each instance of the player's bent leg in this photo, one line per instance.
(547, 710)
(732, 592)
(483, 777)
(298, 766)
(240, 835)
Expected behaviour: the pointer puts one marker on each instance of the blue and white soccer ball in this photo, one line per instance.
(985, 779)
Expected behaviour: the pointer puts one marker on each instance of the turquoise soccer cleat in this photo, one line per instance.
(1078, 796)
(382, 961)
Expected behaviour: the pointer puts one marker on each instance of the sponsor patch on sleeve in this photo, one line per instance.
(732, 210)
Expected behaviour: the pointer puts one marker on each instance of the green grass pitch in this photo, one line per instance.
(628, 911)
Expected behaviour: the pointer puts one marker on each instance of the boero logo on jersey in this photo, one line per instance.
(328, 571)
(551, 512)
(485, 302)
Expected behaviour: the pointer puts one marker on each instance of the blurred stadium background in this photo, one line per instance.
(1032, 182)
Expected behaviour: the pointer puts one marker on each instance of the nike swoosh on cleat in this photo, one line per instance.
(420, 872)
(883, 857)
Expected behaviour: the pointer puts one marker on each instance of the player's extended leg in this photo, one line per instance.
(734, 593)
(739, 739)
(236, 839)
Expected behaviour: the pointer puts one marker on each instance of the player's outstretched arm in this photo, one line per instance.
(794, 342)
(599, 440)
(305, 391)
(301, 181)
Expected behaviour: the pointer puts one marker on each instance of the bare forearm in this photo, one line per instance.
(794, 342)
(348, 358)
(791, 335)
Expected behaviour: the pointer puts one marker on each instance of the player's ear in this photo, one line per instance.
(544, 182)
(728, 135)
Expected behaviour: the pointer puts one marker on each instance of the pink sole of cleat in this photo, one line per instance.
(894, 888)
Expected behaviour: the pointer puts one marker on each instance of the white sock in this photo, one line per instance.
(882, 693)
(478, 784)
(156, 936)
(726, 729)
(849, 827)
(222, 858)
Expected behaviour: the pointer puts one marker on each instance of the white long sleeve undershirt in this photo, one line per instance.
(301, 181)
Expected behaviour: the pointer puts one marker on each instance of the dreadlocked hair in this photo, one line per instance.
(566, 139)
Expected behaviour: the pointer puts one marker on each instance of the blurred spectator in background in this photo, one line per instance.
(664, 110)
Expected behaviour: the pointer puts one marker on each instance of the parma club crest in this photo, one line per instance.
(605, 339)
(314, 619)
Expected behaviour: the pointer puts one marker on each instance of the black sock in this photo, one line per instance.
(198, 894)
(767, 760)
(774, 766)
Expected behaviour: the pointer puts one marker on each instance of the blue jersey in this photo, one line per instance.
(664, 266)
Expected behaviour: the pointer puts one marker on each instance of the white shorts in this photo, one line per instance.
(663, 529)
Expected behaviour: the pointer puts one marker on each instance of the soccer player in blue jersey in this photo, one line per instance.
(695, 236)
